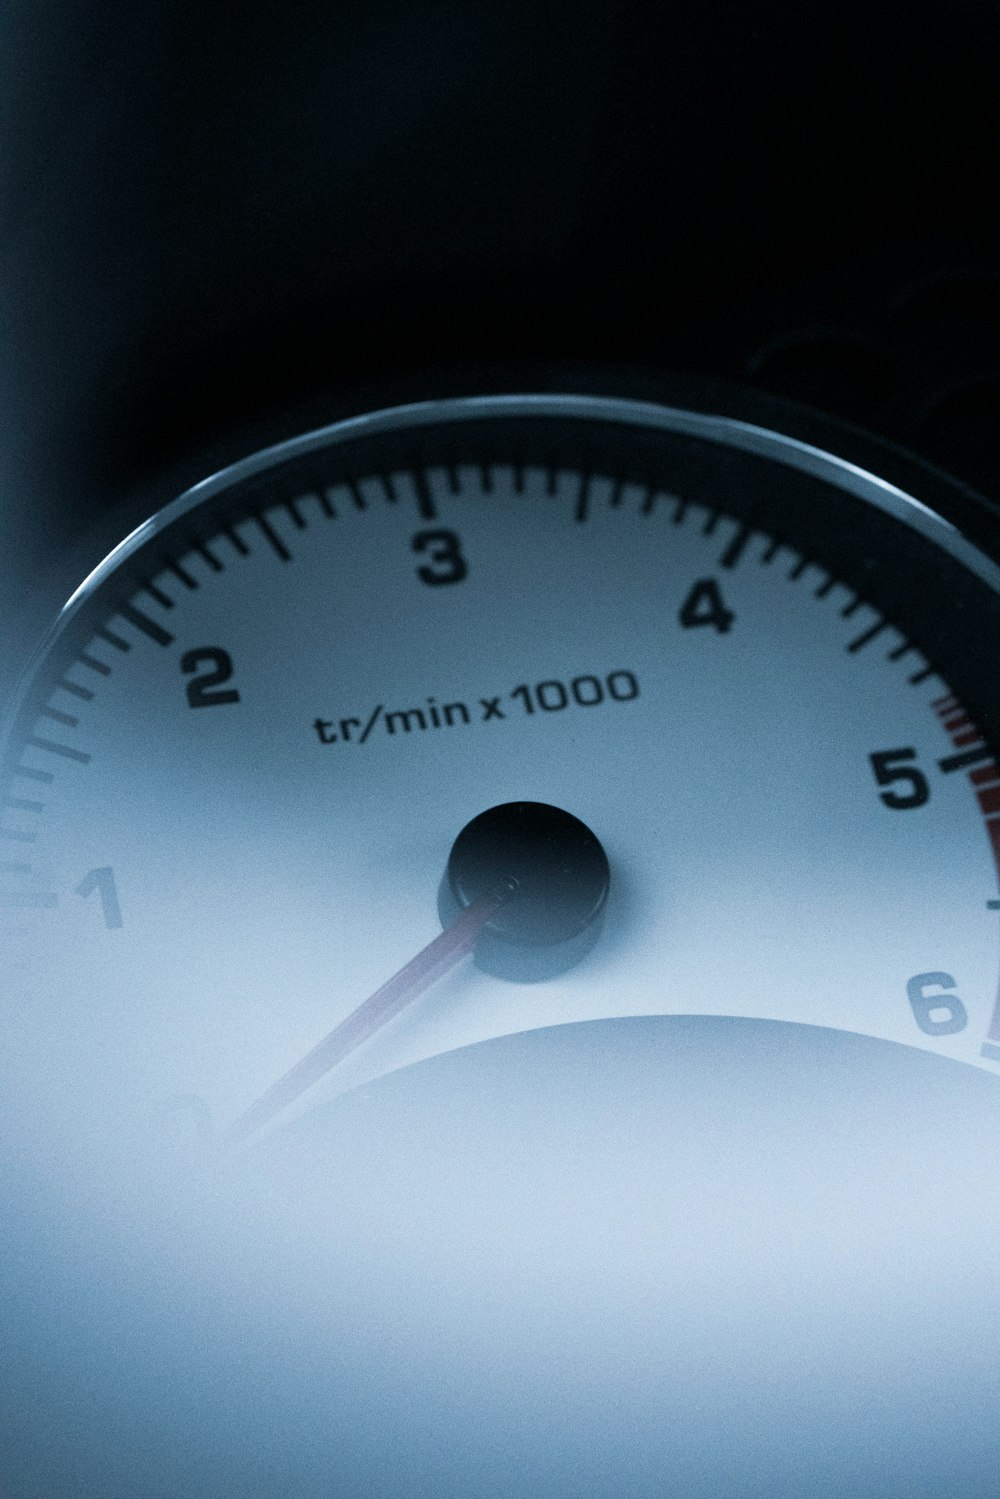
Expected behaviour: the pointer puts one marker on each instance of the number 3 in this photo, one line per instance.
(447, 563)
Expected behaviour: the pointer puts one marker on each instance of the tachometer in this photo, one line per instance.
(677, 725)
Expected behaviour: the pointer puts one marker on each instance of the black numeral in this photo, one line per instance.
(206, 690)
(890, 769)
(704, 606)
(445, 561)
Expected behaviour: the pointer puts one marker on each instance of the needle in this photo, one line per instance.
(430, 964)
(559, 872)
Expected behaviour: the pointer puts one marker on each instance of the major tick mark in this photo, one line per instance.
(964, 760)
(425, 500)
(148, 626)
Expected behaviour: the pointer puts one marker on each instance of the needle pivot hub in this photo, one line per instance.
(558, 876)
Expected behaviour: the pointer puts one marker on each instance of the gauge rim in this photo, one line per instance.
(713, 426)
(726, 431)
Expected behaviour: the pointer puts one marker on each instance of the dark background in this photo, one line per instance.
(210, 214)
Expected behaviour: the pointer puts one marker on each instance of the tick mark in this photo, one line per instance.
(52, 748)
(148, 626)
(734, 551)
(965, 759)
(59, 717)
(183, 576)
(84, 693)
(101, 667)
(868, 636)
(273, 539)
(163, 599)
(425, 500)
(208, 557)
(23, 900)
(582, 499)
(236, 541)
(112, 639)
(28, 773)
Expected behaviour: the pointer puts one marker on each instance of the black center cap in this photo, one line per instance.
(560, 875)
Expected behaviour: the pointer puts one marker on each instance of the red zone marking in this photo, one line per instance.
(985, 781)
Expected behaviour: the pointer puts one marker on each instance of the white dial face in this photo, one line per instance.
(228, 820)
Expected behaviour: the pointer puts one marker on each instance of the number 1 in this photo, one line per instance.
(104, 881)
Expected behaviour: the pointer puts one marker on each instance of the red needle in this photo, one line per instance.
(430, 964)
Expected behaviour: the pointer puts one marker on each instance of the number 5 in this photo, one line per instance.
(889, 769)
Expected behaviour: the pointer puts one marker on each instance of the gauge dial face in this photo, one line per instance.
(759, 676)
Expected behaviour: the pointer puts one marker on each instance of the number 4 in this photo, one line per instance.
(704, 606)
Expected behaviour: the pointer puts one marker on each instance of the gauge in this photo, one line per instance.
(738, 690)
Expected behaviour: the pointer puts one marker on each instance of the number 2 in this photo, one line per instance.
(204, 691)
